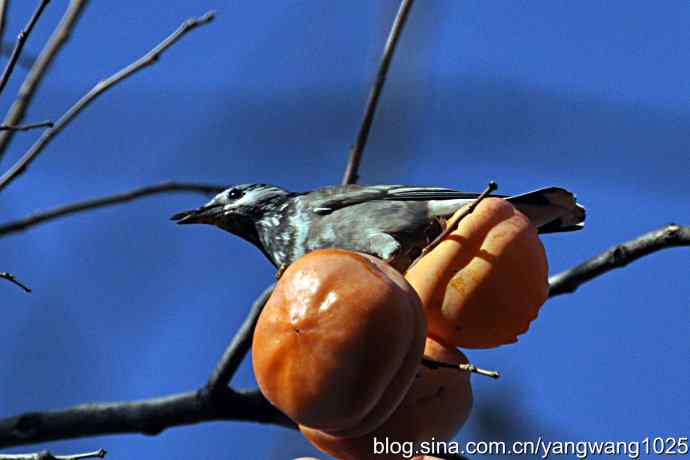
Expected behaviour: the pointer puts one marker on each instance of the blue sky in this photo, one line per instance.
(588, 95)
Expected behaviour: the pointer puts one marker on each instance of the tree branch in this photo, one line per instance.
(619, 256)
(12, 279)
(239, 346)
(28, 126)
(150, 416)
(21, 40)
(4, 6)
(148, 59)
(38, 70)
(87, 205)
(351, 172)
(46, 455)
(216, 401)
(25, 61)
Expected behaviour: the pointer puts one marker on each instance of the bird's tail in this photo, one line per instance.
(551, 209)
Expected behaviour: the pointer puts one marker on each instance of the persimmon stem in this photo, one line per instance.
(433, 364)
(478, 370)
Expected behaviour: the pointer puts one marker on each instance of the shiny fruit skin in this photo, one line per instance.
(337, 344)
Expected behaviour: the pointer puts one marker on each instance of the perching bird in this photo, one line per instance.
(392, 222)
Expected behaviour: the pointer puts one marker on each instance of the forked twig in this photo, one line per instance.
(351, 172)
(28, 126)
(38, 70)
(141, 63)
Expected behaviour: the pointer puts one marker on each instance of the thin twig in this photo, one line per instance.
(619, 256)
(4, 6)
(453, 222)
(141, 63)
(46, 455)
(239, 346)
(38, 70)
(25, 60)
(12, 279)
(351, 173)
(21, 40)
(149, 416)
(86, 205)
(28, 126)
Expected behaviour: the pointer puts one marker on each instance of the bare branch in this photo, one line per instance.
(619, 256)
(12, 279)
(87, 205)
(240, 345)
(4, 6)
(25, 60)
(150, 416)
(28, 126)
(60, 36)
(21, 40)
(46, 455)
(351, 173)
(104, 85)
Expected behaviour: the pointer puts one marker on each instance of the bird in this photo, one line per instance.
(392, 222)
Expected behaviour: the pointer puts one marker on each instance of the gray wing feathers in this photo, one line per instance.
(551, 209)
(404, 193)
(329, 199)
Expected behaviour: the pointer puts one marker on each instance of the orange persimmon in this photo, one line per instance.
(433, 410)
(484, 283)
(338, 343)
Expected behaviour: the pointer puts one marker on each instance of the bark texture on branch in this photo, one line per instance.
(618, 256)
(150, 416)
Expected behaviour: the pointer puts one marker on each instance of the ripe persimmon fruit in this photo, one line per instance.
(484, 283)
(338, 343)
(435, 407)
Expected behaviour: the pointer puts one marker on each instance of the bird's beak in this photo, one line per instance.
(202, 215)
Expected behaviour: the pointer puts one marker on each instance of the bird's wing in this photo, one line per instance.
(329, 199)
(408, 193)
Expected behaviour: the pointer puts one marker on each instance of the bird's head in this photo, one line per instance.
(236, 209)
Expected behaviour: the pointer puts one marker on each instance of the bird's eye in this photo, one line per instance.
(235, 194)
